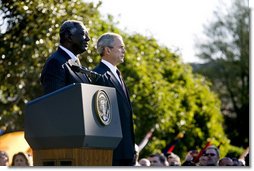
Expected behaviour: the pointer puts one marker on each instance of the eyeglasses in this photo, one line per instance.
(209, 154)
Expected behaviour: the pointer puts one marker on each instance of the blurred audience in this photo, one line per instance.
(213, 155)
(20, 159)
(210, 156)
(190, 158)
(237, 162)
(158, 160)
(202, 160)
(226, 161)
(4, 159)
(173, 159)
(144, 162)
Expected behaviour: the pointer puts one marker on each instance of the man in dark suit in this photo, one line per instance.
(111, 48)
(57, 73)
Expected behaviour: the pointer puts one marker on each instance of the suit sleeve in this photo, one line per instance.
(53, 76)
(103, 80)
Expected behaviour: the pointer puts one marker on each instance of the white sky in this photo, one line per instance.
(174, 23)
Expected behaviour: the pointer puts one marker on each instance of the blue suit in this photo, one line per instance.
(57, 73)
(124, 153)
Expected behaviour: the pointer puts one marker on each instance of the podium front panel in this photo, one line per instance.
(68, 118)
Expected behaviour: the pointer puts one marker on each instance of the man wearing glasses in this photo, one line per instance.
(212, 154)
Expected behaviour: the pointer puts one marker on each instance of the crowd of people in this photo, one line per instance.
(18, 159)
(209, 157)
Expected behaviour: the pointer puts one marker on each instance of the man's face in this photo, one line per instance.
(80, 39)
(173, 161)
(226, 162)
(194, 153)
(203, 160)
(117, 51)
(144, 162)
(212, 157)
(155, 161)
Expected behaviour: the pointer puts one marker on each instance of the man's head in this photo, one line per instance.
(4, 159)
(111, 48)
(226, 161)
(74, 36)
(202, 160)
(158, 160)
(173, 159)
(144, 162)
(237, 162)
(191, 155)
(213, 155)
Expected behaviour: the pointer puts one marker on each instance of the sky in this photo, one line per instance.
(176, 24)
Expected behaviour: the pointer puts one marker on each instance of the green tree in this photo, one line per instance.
(164, 91)
(226, 53)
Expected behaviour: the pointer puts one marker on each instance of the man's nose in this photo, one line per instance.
(87, 38)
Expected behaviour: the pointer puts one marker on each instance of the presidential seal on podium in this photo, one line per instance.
(103, 107)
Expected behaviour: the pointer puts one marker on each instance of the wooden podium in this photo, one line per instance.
(78, 125)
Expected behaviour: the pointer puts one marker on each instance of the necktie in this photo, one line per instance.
(119, 76)
(85, 78)
(121, 81)
(78, 62)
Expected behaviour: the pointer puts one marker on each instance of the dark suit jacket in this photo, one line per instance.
(125, 150)
(57, 73)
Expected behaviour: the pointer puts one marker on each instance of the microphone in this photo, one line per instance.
(93, 76)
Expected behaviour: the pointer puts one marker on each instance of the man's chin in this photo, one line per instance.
(84, 49)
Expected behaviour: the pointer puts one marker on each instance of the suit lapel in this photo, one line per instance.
(82, 77)
(77, 75)
(116, 83)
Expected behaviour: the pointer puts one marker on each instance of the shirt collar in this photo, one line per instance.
(73, 57)
(111, 67)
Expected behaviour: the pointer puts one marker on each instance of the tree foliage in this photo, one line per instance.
(165, 93)
(227, 56)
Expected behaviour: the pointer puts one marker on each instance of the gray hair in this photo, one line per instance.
(106, 40)
(69, 27)
(215, 148)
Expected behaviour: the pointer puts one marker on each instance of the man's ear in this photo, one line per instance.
(107, 50)
(68, 37)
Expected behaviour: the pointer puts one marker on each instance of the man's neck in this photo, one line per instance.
(70, 53)
(108, 63)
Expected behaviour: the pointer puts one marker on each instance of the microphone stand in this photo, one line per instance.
(92, 76)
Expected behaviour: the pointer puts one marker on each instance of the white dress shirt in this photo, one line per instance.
(73, 57)
(112, 68)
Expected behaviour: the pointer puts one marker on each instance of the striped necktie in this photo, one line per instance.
(121, 80)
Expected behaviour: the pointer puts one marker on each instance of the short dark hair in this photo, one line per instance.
(161, 157)
(69, 27)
